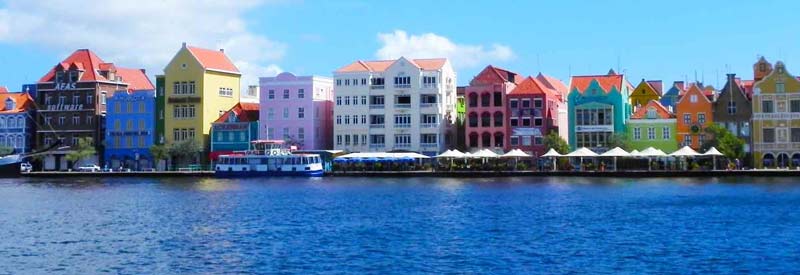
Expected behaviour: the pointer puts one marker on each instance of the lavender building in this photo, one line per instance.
(297, 109)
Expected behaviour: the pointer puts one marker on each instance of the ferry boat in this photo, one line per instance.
(268, 158)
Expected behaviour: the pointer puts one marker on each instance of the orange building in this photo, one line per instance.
(694, 113)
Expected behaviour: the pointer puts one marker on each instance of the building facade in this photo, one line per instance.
(652, 125)
(298, 110)
(776, 119)
(234, 130)
(130, 130)
(669, 98)
(646, 91)
(733, 111)
(533, 112)
(694, 112)
(598, 107)
(389, 105)
(72, 100)
(161, 103)
(487, 126)
(200, 85)
(16, 121)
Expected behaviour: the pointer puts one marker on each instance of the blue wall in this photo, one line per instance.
(130, 130)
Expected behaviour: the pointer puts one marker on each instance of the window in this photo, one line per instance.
(498, 99)
(270, 114)
(427, 138)
(403, 101)
(701, 118)
(514, 104)
(402, 140)
(402, 121)
(141, 107)
(486, 120)
(76, 119)
(538, 122)
(794, 106)
(285, 93)
(103, 98)
(61, 120)
(47, 100)
(665, 133)
(129, 107)
(526, 103)
(271, 133)
(687, 118)
(363, 100)
(687, 140)
(285, 113)
(377, 139)
(427, 99)
(339, 119)
(183, 111)
(61, 100)
(90, 99)
(526, 122)
(498, 119)
(347, 100)
(594, 116)
(780, 88)
(117, 125)
(301, 112)
(485, 100)
(376, 120)
(767, 106)
(347, 82)
(514, 140)
(514, 122)
(363, 139)
(129, 125)
(795, 135)
(428, 119)
(377, 83)
(701, 139)
(339, 100)
(227, 92)
(731, 107)
(402, 82)
(271, 94)
(364, 82)
(346, 120)
(339, 83)
(338, 137)
(301, 134)
(651, 113)
(301, 93)
(429, 81)
(75, 99)
(537, 103)
(768, 134)
(693, 98)
(526, 140)
(651, 133)
(346, 139)
(473, 100)
(637, 133)
(286, 133)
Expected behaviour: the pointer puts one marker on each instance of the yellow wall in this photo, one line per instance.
(207, 84)
(767, 90)
(643, 94)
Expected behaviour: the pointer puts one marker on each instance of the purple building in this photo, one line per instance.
(297, 109)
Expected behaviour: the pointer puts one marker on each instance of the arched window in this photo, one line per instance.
(498, 139)
(473, 139)
(498, 119)
(486, 140)
(2, 122)
(473, 99)
(769, 160)
(486, 119)
(473, 119)
(486, 99)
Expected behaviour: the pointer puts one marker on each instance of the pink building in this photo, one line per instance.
(486, 108)
(297, 109)
(533, 112)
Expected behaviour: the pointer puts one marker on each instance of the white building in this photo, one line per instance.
(392, 105)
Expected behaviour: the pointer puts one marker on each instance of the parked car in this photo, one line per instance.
(89, 168)
(25, 167)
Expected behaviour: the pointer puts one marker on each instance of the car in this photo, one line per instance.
(89, 168)
(25, 167)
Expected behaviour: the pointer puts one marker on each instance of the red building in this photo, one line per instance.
(486, 108)
(532, 109)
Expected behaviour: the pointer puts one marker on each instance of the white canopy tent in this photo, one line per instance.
(582, 153)
(515, 154)
(615, 153)
(552, 153)
(450, 154)
(651, 152)
(713, 152)
(686, 151)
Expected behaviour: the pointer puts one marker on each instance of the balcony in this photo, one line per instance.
(428, 145)
(402, 126)
(376, 87)
(402, 106)
(402, 145)
(376, 106)
(402, 86)
(427, 105)
(379, 145)
(429, 125)
(429, 86)
(377, 126)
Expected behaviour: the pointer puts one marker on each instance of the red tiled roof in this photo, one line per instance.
(3, 90)
(382, 65)
(661, 111)
(495, 75)
(213, 60)
(657, 86)
(694, 88)
(82, 59)
(136, 79)
(246, 112)
(23, 102)
(529, 86)
(553, 83)
(606, 82)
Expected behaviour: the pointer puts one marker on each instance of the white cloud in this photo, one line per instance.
(430, 45)
(141, 33)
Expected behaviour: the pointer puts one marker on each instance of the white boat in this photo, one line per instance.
(268, 158)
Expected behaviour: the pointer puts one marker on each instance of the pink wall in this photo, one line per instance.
(475, 92)
(317, 104)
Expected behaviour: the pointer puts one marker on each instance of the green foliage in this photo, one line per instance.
(159, 153)
(84, 149)
(185, 151)
(6, 150)
(620, 140)
(727, 143)
(554, 141)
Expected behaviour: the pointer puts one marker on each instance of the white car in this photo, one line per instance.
(25, 167)
(89, 168)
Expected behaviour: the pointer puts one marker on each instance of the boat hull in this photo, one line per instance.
(9, 168)
(248, 174)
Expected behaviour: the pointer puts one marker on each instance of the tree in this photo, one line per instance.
(185, 151)
(5, 150)
(554, 141)
(619, 140)
(722, 139)
(159, 153)
(82, 150)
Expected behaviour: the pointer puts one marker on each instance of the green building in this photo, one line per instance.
(652, 125)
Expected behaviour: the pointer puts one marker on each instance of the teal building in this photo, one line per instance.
(234, 130)
(598, 106)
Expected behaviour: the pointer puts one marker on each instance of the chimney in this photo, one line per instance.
(222, 50)
(183, 45)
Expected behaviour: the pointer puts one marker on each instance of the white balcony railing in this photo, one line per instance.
(376, 87)
(402, 86)
(377, 126)
(406, 106)
(376, 106)
(429, 125)
(402, 126)
(429, 85)
(427, 105)
(402, 145)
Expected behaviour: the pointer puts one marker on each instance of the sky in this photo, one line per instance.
(666, 40)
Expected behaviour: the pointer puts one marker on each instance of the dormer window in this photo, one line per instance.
(651, 113)
(10, 104)
(59, 76)
(232, 117)
(762, 67)
(74, 76)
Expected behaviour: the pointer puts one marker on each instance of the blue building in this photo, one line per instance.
(234, 130)
(16, 124)
(130, 130)
(669, 98)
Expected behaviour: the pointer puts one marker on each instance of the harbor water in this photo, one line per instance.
(399, 225)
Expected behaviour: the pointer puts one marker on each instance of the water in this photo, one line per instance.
(404, 225)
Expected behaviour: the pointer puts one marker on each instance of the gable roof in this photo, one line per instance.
(136, 79)
(737, 84)
(24, 102)
(381, 65)
(657, 85)
(492, 74)
(661, 111)
(244, 111)
(553, 83)
(694, 88)
(213, 60)
(529, 86)
(82, 59)
(649, 83)
(606, 82)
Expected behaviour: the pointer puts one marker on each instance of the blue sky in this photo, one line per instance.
(667, 40)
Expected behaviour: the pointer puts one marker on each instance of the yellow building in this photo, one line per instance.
(200, 84)
(645, 92)
(776, 119)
